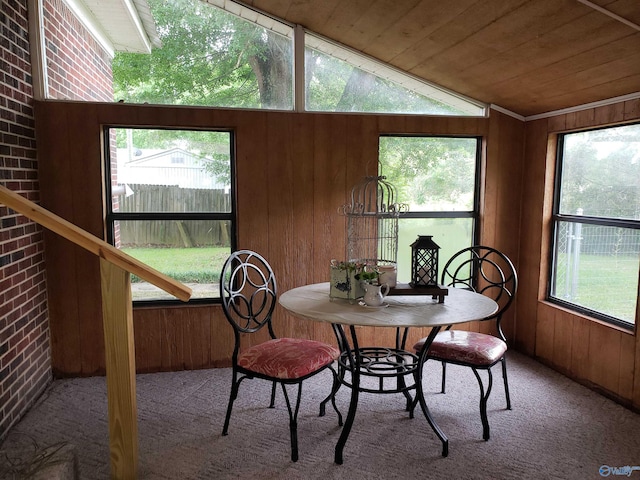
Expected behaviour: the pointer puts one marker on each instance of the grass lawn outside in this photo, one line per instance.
(187, 265)
(604, 283)
(198, 268)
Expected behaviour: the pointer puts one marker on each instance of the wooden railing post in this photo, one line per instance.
(121, 370)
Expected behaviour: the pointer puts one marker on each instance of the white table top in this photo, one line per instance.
(313, 302)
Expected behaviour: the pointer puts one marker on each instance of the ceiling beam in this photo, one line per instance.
(608, 13)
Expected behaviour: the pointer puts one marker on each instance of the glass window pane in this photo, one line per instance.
(171, 171)
(431, 173)
(209, 57)
(171, 204)
(191, 252)
(451, 235)
(601, 173)
(340, 80)
(596, 267)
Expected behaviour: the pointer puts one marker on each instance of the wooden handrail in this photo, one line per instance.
(116, 268)
(92, 243)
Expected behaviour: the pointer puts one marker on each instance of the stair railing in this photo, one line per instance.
(116, 268)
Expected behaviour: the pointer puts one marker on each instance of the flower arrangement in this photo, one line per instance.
(361, 271)
(347, 266)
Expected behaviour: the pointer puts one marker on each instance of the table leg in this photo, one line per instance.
(354, 362)
(420, 393)
(401, 342)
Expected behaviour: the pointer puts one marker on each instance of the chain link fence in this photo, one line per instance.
(597, 268)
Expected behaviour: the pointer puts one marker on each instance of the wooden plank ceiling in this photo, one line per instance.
(528, 56)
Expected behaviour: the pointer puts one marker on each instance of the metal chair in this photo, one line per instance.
(248, 292)
(487, 271)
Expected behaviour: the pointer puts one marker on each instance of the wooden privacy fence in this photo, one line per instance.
(174, 233)
(115, 279)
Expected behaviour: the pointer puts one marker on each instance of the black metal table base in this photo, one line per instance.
(382, 370)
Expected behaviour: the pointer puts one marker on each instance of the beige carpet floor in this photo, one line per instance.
(556, 430)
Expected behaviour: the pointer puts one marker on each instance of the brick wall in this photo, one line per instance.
(78, 68)
(25, 358)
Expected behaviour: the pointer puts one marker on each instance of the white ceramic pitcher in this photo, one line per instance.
(374, 294)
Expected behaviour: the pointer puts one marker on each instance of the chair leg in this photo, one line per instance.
(484, 396)
(413, 406)
(444, 376)
(506, 383)
(337, 383)
(293, 420)
(235, 383)
(273, 395)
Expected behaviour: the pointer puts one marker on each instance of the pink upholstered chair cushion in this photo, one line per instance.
(472, 348)
(287, 358)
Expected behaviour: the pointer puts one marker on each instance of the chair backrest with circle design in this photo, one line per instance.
(248, 292)
(484, 270)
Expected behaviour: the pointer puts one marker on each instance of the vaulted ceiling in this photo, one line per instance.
(527, 56)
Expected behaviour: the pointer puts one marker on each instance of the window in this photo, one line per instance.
(177, 217)
(438, 178)
(338, 79)
(210, 57)
(224, 54)
(596, 223)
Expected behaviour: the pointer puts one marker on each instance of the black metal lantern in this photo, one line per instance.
(424, 262)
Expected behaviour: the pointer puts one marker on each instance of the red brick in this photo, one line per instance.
(79, 70)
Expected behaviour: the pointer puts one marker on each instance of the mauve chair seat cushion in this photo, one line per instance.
(288, 358)
(472, 348)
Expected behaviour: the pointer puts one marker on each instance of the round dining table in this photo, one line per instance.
(391, 370)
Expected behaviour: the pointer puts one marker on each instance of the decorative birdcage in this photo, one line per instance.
(372, 223)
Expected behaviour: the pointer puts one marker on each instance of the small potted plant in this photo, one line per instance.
(368, 276)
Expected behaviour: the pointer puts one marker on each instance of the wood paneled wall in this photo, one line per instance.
(293, 172)
(596, 354)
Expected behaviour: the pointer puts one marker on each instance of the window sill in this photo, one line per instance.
(631, 330)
